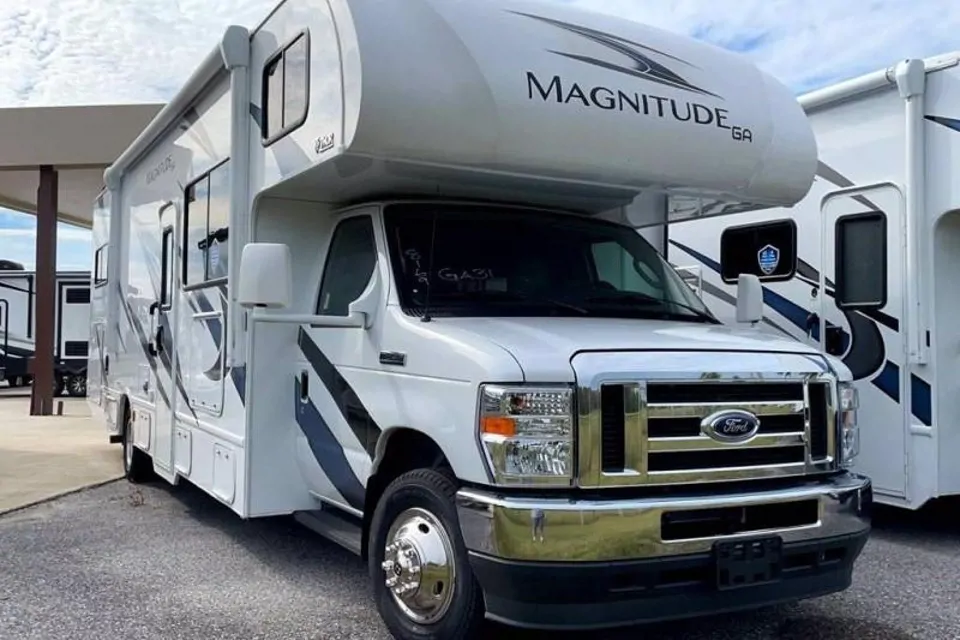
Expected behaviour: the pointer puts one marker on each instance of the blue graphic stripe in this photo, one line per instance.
(327, 450)
(888, 381)
(950, 123)
(921, 404)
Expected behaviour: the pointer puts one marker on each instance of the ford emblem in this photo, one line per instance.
(731, 426)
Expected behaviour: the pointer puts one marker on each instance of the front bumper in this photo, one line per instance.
(561, 563)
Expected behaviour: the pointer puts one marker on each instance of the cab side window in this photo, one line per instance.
(350, 263)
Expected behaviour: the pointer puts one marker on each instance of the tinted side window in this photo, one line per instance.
(767, 250)
(861, 256)
(350, 263)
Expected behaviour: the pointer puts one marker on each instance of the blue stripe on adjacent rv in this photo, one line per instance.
(327, 450)
(887, 381)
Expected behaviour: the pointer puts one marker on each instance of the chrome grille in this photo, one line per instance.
(650, 431)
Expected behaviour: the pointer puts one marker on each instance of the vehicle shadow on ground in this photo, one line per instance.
(292, 549)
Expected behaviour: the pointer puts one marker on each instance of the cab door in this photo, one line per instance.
(339, 366)
(862, 319)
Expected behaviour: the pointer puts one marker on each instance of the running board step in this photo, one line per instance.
(342, 529)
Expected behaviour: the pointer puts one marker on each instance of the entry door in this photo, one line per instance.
(164, 316)
(862, 319)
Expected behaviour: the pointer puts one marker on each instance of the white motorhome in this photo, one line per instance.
(862, 267)
(18, 318)
(376, 265)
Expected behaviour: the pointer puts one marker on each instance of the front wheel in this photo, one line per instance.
(420, 574)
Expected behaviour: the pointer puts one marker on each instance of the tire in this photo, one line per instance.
(76, 385)
(16, 381)
(424, 500)
(137, 466)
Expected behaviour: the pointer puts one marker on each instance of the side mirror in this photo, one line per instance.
(367, 305)
(266, 276)
(749, 298)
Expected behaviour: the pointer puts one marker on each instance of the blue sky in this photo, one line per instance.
(56, 52)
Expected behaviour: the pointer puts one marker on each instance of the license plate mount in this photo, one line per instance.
(748, 563)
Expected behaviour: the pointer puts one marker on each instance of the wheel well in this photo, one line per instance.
(123, 411)
(405, 450)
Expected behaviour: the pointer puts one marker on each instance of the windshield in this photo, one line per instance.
(497, 261)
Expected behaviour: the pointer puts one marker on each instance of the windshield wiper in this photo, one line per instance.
(513, 295)
(626, 296)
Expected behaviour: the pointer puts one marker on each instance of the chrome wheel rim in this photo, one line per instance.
(418, 567)
(77, 385)
(128, 448)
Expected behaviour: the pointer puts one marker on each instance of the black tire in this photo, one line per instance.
(16, 381)
(137, 465)
(433, 492)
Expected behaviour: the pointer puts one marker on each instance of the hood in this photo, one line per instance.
(543, 347)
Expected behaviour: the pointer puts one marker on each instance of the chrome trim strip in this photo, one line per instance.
(706, 443)
(558, 529)
(700, 409)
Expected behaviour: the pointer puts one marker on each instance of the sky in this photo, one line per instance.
(69, 52)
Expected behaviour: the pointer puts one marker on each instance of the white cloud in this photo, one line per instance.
(56, 52)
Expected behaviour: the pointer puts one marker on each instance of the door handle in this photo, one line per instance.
(304, 385)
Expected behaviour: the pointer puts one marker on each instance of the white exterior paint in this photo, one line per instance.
(864, 132)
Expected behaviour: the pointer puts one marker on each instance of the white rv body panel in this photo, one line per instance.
(189, 399)
(902, 353)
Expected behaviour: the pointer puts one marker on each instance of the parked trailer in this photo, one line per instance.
(377, 266)
(861, 267)
(18, 299)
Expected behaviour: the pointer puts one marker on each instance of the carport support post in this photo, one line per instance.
(41, 399)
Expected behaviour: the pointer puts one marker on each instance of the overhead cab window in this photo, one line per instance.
(286, 88)
(767, 250)
(861, 259)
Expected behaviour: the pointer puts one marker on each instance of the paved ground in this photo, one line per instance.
(124, 562)
(45, 456)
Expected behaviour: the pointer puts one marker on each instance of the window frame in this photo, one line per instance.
(790, 222)
(205, 282)
(840, 285)
(326, 259)
(98, 261)
(280, 54)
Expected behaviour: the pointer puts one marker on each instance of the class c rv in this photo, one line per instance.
(862, 268)
(378, 266)
(18, 328)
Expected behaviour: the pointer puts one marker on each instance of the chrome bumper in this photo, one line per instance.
(563, 530)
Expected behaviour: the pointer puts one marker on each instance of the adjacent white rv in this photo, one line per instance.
(18, 306)
(377, 265)
(863, 267)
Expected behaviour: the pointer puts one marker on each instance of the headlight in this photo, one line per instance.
(527, 433)
(849, 400)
